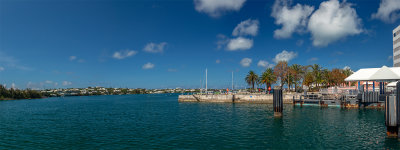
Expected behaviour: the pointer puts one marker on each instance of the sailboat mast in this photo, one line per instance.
(232, 80)
(206, 80)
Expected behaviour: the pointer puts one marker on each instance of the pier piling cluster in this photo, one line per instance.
(392, 113)
(278, 102)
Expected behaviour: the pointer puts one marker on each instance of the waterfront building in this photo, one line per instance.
(396, 47)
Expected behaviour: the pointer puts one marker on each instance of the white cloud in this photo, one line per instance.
(333, 21)
(285, 56)
(292, 19)
(245, 62)
(172, 70)
(124, 54)
(217, 61)
(2, 69)
(148, 66)
(13, 86)
(48, 82)
(313, 59)
(11, 62)
(75, 58)
(216, 8)
(154, 47)
(346, 67)
(66, 83)
(264, 64)
(71, 58)
(239, 43)
(33, 86)
(388, 11)
(247, 27)
(222, 41)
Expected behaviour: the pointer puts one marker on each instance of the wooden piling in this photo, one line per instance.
(278, 102)
(392, 113)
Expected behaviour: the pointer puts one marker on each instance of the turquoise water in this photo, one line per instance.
(159, 121)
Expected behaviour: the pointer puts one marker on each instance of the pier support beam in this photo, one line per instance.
(278, 102)
(392, 113)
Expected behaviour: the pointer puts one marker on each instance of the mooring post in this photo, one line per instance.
(392, 113)
(278, 102)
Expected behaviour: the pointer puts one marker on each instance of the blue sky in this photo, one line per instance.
(169, 43)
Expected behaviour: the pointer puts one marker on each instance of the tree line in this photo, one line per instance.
(6, 94)
(295, 75)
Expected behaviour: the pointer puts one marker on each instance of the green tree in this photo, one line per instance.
(268, 77)
(251, 78)
(317, 75)
(297, 71)
(281, 71)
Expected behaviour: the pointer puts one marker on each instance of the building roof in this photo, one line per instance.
(376, 74)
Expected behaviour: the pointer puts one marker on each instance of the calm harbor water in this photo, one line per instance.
(159, 121)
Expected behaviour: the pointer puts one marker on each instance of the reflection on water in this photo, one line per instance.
(149, 121)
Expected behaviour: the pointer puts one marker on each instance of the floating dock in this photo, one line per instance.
(235, 98)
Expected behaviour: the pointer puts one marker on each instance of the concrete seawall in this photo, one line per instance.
(237, 98)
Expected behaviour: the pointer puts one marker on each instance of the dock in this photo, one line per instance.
(234, 98)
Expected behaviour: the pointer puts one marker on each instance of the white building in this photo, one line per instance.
(396, 47)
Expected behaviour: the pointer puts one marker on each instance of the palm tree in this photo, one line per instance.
(289, 80)
(268, 77)
(251, 78)
(347, 72)
(297, 72)
(316, 70)
(325, 78)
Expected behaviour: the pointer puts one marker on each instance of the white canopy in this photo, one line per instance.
(376, 74)
(392, 84)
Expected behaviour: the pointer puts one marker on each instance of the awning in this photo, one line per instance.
(392, 84)
(376, 74)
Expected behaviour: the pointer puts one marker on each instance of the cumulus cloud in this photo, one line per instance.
(155, 48)
(264, 64)
(247, 27)
(292, 19)
(239, 43)
(66, 83)
(148, 66)
(124, 54)
(388, 11)
(333, 21)
(245, 62)
(285, 56)
(216, 8)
